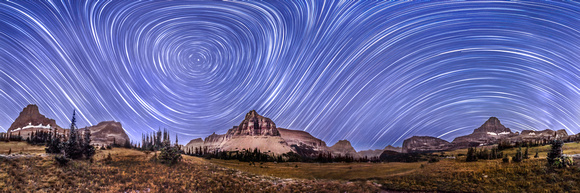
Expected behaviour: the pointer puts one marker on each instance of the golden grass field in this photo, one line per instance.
(131, 171)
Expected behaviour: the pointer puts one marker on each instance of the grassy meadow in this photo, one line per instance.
(29, 170)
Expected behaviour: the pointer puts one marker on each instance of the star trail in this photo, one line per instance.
(374, 73)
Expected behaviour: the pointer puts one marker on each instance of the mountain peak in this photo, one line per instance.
(30, 117)
(492, 125)
(252, 114)
(255, 125)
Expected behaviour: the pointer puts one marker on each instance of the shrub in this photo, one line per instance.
(536, 156)
(433, 160)
(54, 146)
(518, 157)
(169, 155)
(61, 159)
(505, 159)
(108, 159)
(471, 155)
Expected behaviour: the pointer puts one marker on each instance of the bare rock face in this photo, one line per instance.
(255, 125)
(370, 153)
(424, 144)
(343, 147)
(491, 132)
(255, 131)
(30, 118)
(377, 152)
(107, 132)
(492, 125)
(395, 149)
(547, 134)
(303, 142)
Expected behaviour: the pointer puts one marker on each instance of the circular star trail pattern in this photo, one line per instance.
(374, 73)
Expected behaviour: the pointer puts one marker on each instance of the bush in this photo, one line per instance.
(518, 157)
(61, 160)
(108, 159)
(54, 146)
(505, 159)
(169, 155)
(433, 160)
(471, 155)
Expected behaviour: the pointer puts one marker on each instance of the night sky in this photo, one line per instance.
(374, 73)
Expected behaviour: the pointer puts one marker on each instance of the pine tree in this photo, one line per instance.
(555, 152)
(471, 155)
(88, 149)
(518, 157)
(526, 155)
(536, 156)
(73, 147)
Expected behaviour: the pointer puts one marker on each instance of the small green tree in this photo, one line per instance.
(88, 149)
(555, 151)
(471, 155)
(536, 156)
(518, 157)
(526, 155)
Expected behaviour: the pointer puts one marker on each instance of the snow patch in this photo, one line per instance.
(30, 126)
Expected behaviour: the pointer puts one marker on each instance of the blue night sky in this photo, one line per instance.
(374, 73)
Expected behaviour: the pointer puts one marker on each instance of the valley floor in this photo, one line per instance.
(131, 171)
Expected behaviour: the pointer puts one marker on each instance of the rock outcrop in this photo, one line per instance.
(303, 142)
(377, 152)
(255, 125)
(255, 131)
(30, 120)
(395, 149)
(424, 144)
(107, 132)
(491, 132)
(343, 147)
(371, 153)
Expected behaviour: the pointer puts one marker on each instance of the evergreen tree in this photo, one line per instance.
(88, 149)
(471, 155)
(526, 155)
(555, 152)
(72, 147)
(518, 157)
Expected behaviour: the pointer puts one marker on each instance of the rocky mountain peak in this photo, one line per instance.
(253, 114)
(343, 147)
(492, 125)
(424, 144)
(30, 117)
(255, 125)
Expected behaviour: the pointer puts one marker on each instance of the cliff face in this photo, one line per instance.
(255, 125)
(302, 142)
(30, 119)
(424, 144)
(107, 132)
(255, 131)
(343, 147)
(491, 132)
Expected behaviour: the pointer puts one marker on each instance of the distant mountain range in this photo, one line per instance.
(260, 132)
(257, 131)
(30, 120)
(491, 132)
